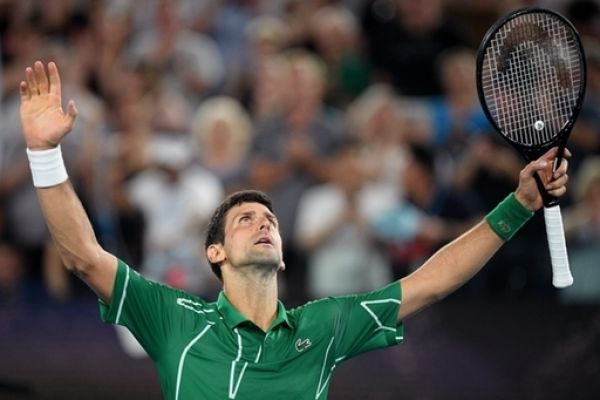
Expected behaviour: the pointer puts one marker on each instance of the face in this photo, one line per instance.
(251, 238)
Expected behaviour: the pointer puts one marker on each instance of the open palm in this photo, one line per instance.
(43, 121)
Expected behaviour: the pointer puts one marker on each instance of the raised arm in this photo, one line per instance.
(461, 259)
(44, 125)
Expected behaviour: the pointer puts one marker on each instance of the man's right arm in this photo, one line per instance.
(44, 125)
(74, 237)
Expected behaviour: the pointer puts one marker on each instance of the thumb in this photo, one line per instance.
(71, 113)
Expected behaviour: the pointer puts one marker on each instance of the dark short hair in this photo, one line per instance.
(215, 232)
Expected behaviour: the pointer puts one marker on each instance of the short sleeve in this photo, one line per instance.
(148, 309)
(369, 321)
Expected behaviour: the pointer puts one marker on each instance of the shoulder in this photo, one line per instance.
(314, 306)
(316, 314)
(189, 302)
(146, 289)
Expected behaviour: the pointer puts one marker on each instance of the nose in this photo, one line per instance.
(264, 223)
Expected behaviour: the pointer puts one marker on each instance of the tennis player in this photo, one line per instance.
(246, 345)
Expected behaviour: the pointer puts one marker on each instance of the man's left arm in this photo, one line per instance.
(457, 262)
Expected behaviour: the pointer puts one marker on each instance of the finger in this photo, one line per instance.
(41, 77)
(31, 83)
(550, 154)
(24, 91)
(54, 78)
(556, 183)
(562, 170)
(71, 113)
(558, 192)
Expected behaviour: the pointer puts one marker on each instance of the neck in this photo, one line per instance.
(254, 295)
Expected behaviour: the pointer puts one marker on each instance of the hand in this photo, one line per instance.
(527, 192)
(43, 121)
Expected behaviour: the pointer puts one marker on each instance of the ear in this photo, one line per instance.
(215, 254)
(281, 267)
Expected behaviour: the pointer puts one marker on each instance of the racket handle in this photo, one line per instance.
(561, 272)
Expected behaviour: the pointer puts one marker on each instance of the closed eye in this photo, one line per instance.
(273, 221)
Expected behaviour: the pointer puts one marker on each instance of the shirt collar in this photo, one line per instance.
(234, 318)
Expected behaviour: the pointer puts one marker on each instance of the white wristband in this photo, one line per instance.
(47, 167)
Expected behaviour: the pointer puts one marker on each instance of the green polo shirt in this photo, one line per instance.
(208, 350)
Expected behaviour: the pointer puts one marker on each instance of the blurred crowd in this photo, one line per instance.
(360, 118)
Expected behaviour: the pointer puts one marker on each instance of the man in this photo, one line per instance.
(246, 345)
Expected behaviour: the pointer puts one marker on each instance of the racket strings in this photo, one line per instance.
(531, 78)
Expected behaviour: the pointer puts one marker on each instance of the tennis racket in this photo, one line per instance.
(531, 82)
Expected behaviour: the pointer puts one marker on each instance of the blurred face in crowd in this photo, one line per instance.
(420, 16)
(272, 81)
(308, 78)
(348, 170)
(458, 73)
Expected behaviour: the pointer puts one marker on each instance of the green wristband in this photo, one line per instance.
(508, 217)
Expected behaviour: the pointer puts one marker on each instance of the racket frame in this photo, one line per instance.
(532, 152)
(554, 228)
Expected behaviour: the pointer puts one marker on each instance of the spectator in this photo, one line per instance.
(299, 14)
(404, 39)
(467, 153)
(334, 229)
(377, 119)
(456, 115)
(270, 97)
(585, 137)
(229, 28)
(130, 117)
(335, 33)
(427, 216)
(112, 26)
(266, 37)
(222, 131)
(189, 63)
(291, 149)
(176, 198)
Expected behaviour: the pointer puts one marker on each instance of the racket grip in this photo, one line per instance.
(561, 272)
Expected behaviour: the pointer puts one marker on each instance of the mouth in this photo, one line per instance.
(264, 240)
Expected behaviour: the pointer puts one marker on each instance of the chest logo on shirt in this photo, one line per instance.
(302, 344)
